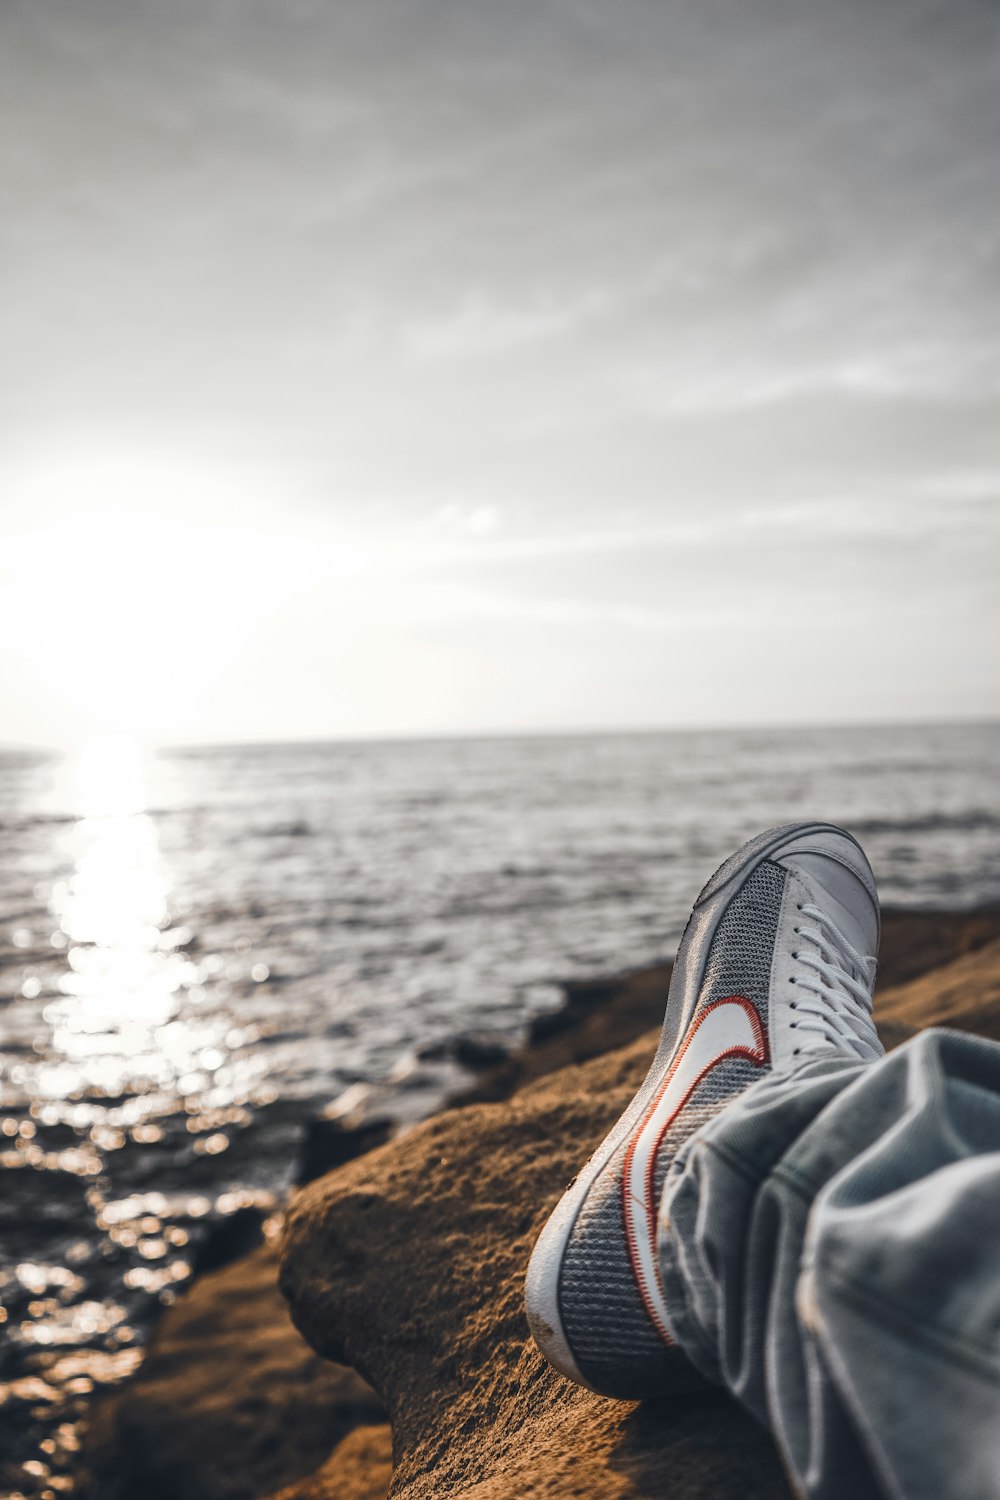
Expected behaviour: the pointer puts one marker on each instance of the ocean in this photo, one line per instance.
(200, 949)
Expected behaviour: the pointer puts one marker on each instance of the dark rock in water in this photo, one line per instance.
(368, 1114)
(329, 1143)
(229, 1238)
(597, 1015)
(551, 1023)
(474, 1050)
(478, 1050)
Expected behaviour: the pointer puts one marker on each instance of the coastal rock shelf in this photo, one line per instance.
(407, 1264)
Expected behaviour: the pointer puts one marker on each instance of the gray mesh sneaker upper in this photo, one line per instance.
(614, 1341)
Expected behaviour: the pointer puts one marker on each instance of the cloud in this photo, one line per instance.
(464, 520)
(477, 328)
(954, 375)
(915, 515)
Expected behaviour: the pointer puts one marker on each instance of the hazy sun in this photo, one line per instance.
(126, 606)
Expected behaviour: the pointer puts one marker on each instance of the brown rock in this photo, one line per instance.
(915, 942)
(964, 994)
(359, 1468)
(230, 1402)
(409, 1263)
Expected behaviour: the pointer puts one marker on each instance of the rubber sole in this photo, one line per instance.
(541, 1288)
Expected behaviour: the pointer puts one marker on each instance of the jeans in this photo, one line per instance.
(830, 1249)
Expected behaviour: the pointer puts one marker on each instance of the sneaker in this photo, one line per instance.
(777, 963)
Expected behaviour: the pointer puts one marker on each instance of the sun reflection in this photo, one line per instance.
(132, 1011)
(119, 984)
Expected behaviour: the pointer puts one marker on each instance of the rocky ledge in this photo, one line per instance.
(406, 1265)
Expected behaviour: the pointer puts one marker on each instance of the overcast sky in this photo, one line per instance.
(411, 366)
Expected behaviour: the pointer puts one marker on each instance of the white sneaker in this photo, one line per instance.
(777, 964)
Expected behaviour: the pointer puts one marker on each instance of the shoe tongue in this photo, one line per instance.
(843, 896)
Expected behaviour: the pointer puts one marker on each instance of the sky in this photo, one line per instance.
(440, 366)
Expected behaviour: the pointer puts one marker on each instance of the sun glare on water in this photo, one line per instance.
(120, 986)
(133, 1011)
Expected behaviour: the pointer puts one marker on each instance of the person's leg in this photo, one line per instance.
(830, 1251)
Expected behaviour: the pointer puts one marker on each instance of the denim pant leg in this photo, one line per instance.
(830, 1246)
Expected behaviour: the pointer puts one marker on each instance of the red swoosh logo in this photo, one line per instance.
(726, 1028)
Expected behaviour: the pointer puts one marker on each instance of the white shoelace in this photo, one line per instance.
(834, 1004)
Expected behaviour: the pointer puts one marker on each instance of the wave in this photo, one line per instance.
(974, 820)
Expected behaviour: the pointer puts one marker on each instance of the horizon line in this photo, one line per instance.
(442, 736)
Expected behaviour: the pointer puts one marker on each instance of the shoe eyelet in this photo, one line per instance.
(797, 1051)
(794, 1005)
(793, 1025)
(791, 981)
